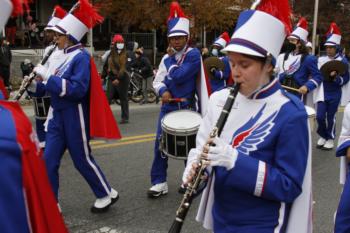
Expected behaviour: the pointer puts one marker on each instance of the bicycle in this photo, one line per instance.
(135, 92)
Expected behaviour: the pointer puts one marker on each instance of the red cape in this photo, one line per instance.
(43, 212)
(102, 122)
(3, 89)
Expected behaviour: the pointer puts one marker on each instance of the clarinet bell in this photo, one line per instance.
(176, 226)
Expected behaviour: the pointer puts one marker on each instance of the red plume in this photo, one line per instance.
(176, 11)
(17, 7)
(225, 36)
(59, 12)
(279, 9)
(88, 14)
(302, 23)
(333, 29)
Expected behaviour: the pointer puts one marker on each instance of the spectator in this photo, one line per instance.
(143, 66)
(11, 28)
(116, 76)
(5, 61)
(26, 67)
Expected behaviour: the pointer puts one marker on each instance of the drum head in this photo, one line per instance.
(310, 111)
(182, 121)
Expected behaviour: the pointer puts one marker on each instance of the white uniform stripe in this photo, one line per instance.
(333, 127)
(260, 179)
(314, 82)
(280, 218)
(86, 150)
(64, 88)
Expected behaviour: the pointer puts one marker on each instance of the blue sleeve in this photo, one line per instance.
(78, 83)
(316, 76)
(282, 180)
(342, 148)
(218, 74)
(189, 67)
(344, 79)
(40, 90)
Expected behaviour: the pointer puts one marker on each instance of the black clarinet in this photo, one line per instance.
(32, 75)
(192, 187)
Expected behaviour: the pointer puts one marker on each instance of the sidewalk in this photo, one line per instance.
(29, 109)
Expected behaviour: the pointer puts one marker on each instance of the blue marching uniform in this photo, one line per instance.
(69, 126)
(257, 194)
(12, 204)
(342, 220)
(27, 203)
(301, 70)
(221, 77)
(177, 74)
(327, 109)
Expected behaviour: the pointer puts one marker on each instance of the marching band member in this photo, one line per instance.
(309, 47)
(221, 77)
(342, 220)
(40, 102)
(332, 85)
(27, 203)
(295, 66)
(261, 158)
(75, 89)
(176, 78)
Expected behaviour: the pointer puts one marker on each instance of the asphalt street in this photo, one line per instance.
(126, 164)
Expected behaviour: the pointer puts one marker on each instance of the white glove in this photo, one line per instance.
(32, 86)
(193, 156)
(222, 154)
(42, 71)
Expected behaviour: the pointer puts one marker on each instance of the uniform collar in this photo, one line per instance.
(266, 90)
(73, 48)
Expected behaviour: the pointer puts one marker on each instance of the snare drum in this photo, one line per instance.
(179, 130)
(41, 107)
(311, 116)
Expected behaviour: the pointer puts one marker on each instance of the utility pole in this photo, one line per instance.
(315, 27)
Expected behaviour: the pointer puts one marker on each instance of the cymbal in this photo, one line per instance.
(211, 62)
(334, 65)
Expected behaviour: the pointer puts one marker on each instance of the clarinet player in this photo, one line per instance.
(258, 166)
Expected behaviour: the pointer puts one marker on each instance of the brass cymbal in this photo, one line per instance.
(330, 66)
(211, 62)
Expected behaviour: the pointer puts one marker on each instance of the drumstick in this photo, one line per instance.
(177, 100)
(290, 88)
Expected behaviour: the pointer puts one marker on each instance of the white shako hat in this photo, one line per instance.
(309, 44)
(9, 7)
(78, 23)
(333, 35)
(222, 41)
(58, 14)
(261, 32)
(300, 32)
(178, 23)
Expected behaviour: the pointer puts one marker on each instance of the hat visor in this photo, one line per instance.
(330, 44)
(177, 34)
(241, 49)
(56, 29)
(49, 28)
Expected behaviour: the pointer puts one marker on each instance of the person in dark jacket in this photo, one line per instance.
(117, 77)
(5, 61)
(143, 66)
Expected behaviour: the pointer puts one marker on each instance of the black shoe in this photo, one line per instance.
(123, 121)
(182, 189)
(142, 102)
